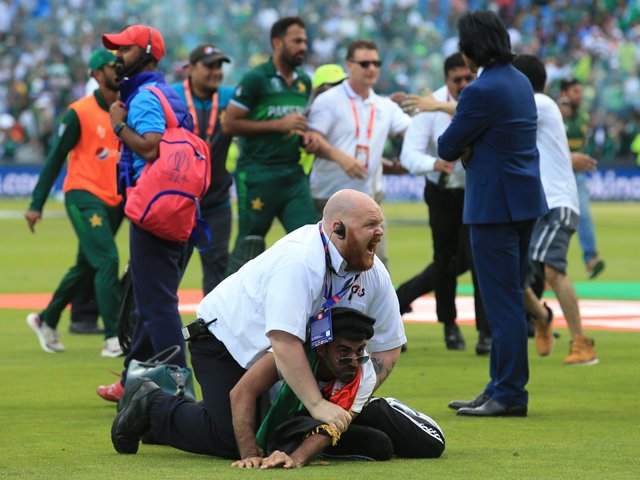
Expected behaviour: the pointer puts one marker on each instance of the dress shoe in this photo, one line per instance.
(483, 347)
(134, 420)
(87, 327)
(453, 337)
(476, 402)
(493, 408)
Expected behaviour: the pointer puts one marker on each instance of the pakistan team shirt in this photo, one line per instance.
(265, 95)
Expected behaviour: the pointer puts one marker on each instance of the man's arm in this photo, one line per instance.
(383, 363)
(243, 397)
(236, 123)
(68, 136)
(308, 449)
(351, 166)
(582, 162)
(294, 367)
(146, 146)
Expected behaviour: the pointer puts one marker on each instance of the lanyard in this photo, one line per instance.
(371, 118)
(331, 300)
(213, 116)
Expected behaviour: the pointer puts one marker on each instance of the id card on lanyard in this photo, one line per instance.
(320, 325)
(362, 149)
(213, 116)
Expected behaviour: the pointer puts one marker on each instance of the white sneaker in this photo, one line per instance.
(112, 348)
(47, 336)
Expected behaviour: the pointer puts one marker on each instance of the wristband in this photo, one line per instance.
(118, 128)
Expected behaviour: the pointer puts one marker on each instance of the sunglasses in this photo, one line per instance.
(349, 360)
(368, 63)
(458, 80)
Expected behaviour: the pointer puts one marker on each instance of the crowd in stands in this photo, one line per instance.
(45, 45)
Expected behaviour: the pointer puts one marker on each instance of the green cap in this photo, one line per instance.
(329, 73)
(100, 58)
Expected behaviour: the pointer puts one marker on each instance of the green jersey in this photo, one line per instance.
(576, 126)
(266, 96)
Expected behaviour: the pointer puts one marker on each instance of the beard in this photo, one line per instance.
(358, 258)
(123, 70)
(112, 85)
(293, 60)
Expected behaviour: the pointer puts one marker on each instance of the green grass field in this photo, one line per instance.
(583, 421)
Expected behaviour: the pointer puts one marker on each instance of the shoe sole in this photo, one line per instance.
(36, 329)
(595, 361)
(123, 446)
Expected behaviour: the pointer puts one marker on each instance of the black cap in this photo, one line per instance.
(207, 54)
(351, 324)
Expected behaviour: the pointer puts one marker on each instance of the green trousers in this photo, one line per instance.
(95, 224)
(263, 196)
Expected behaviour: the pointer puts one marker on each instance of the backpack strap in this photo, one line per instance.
(170, 116)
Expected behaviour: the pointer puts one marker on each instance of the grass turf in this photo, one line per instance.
(583, 421)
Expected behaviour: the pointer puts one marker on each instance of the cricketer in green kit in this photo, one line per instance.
(267, 111)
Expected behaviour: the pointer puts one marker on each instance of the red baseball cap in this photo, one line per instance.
(147, 38)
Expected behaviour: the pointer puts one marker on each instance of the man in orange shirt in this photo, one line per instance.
(92, 203)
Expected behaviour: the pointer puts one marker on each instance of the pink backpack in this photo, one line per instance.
(166, 197)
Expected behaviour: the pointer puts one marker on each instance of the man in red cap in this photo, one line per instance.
(156, 265)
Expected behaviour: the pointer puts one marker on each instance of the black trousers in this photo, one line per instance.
(204, 427)
(387, 427)
(451, 257)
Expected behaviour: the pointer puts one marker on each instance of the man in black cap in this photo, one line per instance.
(207, 101)
(290, 437)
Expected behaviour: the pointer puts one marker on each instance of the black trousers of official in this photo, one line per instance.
(381, 431)
(451, 257)
(204, 427)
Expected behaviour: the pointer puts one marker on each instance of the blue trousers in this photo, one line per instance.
(500, 255)
(215, 258)
(156, 267)
(586, 230)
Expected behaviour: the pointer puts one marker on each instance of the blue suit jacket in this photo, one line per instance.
(496, 116)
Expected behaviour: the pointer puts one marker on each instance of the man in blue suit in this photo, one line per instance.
(494, 131)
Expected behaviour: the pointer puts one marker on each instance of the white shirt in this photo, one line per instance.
(556, 171)
(420, 144)
(281, 288)
(332, 114)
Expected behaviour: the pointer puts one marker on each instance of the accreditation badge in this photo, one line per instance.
(362, 154)
(321, 328)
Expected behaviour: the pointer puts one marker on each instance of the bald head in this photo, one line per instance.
(356, 219)
(345, 203)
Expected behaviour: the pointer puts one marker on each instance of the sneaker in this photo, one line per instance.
(453, 337)
(112, 392)
(544, 334)
(111, 348)
(595, 266)
(47, 336)
(582, 352)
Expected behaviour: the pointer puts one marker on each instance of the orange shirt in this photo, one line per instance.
(92, 162)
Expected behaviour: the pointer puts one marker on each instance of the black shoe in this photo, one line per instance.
(453, 337)
(492, 408)
(134, 420)
(483, 347)
(476, 402)
(87, 327)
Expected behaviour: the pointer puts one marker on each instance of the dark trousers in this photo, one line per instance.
(156, 267)
(451, 257)
(215, 258)
(386, 427)
(204, 427)
(500, 254)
